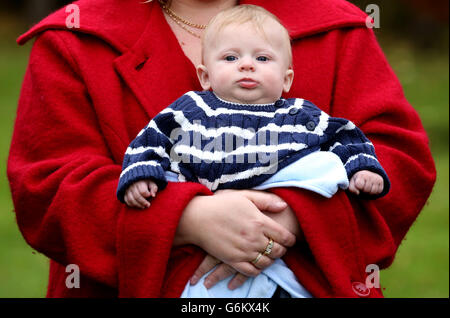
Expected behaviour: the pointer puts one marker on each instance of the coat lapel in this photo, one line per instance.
(145, 66)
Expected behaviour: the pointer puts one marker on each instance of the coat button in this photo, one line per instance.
(293, 111)
(310, 125)
(279, 103)
(360, 289)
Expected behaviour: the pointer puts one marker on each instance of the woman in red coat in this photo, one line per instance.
(89, 89)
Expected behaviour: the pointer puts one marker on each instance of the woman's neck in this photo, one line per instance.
(200, 11)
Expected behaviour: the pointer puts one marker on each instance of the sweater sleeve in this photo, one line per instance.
(148, 155)
(357, 152)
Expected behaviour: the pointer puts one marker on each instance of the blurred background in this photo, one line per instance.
(414, 36)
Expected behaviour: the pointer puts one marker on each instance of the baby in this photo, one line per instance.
(247, 65)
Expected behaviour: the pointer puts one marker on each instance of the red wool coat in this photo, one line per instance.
(86, 94)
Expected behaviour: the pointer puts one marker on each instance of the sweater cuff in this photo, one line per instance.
(141, 172)
(367, 162)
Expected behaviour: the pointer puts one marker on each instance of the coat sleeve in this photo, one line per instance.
(63, 181)
(344, 234)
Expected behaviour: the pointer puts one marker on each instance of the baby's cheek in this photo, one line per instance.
(222, 75)
(220, 83)
(274, 84)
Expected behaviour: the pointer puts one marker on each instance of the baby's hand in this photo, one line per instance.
(366, 181)
(136, 194)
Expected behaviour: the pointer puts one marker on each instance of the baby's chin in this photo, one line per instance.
(249, 98)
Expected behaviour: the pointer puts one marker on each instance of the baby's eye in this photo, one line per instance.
(262, 58)
(230, 58)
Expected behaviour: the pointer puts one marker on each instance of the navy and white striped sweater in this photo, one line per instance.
(223, 145)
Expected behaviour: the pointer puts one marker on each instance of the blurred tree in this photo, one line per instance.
(437, 9)
(32, 10)
(424, 23)
(35, 10)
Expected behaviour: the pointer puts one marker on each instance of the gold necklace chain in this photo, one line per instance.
(184, 21)
(180, 21)
(185, 28)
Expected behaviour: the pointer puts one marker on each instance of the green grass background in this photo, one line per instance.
(421, 267)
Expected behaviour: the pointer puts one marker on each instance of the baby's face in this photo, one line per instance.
(243, 65)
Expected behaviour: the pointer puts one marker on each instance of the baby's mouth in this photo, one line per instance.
(248, 83)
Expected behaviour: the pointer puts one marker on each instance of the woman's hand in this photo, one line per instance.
(230, 226)
(273, 207)
(285, 218)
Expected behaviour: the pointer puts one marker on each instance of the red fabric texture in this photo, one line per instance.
(86, 94)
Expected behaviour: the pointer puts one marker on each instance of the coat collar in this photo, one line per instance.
(122, 22)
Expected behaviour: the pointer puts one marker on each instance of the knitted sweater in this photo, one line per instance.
(224, 145)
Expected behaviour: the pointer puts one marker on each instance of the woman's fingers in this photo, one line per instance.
(251, 268)
(261, 261)
(265, 201)
(278, 251)
(269, 202)
(207, 264)
(277, 232)
(247, 268)
(221, 272)
(237, 281)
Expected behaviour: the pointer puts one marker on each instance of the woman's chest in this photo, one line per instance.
(189, 44)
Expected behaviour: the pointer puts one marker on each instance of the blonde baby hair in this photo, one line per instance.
(241, 14)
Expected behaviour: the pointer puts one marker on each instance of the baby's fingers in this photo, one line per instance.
(142, 189)
(375, 189)
(352, 187)
(139, 199)
(360, 183)
(368, 186)
(153, 188)
(127, 201)
(378, 187)
(130, 201)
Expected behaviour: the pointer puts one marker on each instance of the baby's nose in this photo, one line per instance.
(246, 64)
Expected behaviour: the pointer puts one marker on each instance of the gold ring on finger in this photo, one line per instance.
(257, 258)
(269, 247)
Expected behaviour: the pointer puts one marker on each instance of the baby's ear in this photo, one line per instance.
(288, 79)
(203, 77)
